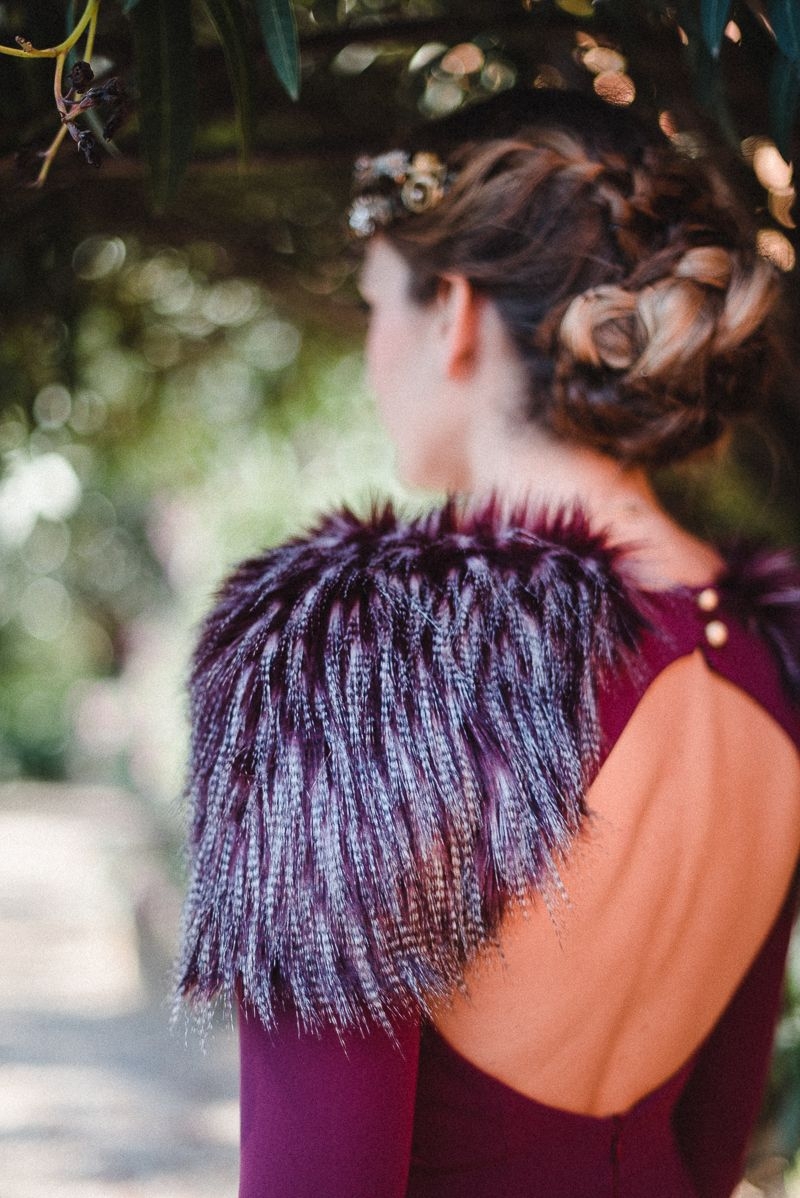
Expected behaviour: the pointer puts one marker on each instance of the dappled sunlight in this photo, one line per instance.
(98, 1096)
(35, 486)
(70, 954)
(202, 424)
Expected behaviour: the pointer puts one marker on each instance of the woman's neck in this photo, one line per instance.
(533, 469)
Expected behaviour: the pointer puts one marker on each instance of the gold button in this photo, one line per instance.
(716, 634)
(708, 599)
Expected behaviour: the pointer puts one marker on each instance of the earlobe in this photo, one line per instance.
(459, 311)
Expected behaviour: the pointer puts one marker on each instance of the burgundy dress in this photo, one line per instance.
(377, 1119)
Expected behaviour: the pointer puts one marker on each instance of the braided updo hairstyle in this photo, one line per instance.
(625, 274)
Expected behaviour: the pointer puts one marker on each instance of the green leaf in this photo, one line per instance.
(714, 16)
(72, 57)
(784, 17)
(163, 42)
(784, 97)
(709, 86)
(226, 16)
(279, 30)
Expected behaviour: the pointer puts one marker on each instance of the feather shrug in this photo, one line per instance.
(394, 726)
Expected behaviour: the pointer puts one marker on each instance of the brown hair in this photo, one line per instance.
(625, 274)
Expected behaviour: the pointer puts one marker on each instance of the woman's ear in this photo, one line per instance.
(458, 309)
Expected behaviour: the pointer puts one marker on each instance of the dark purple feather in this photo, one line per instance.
(762, 586)
(394, 726)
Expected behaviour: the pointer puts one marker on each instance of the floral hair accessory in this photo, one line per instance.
(392, 184)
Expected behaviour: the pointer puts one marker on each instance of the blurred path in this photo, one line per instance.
(98, 1097)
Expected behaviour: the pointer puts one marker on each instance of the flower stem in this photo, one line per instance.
(87, 54)
(48, 156)
(88, 17)
(57, 85)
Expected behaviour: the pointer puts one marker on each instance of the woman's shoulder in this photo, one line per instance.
(430, 592)
(430, 556)
(394, 727)
(468, 568)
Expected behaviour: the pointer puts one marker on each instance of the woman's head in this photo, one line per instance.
(624, 275)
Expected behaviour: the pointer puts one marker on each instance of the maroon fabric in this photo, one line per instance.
(719, 1105)
(322, 1119)
(416, 1120)
(476, 1137)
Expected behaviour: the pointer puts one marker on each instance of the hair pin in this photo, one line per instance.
(392, 183)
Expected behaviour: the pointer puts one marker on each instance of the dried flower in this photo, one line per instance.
(88, 147)
(392, 185)
(81, 76)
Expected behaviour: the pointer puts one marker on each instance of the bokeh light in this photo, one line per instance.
(52, 406)
(599, 59)
(778, 249)
(33, 487)
(577, 8)
(548, 76)
(666, 123)
(464, 59)
(781, 202)
(425, 55)
(615, 88)
(97, 257)
(354, 59)
(772, 170)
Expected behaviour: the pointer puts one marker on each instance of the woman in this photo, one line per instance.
(497, 812)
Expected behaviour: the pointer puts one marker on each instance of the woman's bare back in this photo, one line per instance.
(671, 891)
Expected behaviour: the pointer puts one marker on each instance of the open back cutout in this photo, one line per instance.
(671, 891)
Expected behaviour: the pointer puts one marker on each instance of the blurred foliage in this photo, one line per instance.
(724, 50)
(204, 98)
(200, 422)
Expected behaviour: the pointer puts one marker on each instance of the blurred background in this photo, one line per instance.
(181, 385)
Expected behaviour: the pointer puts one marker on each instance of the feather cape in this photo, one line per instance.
(394, 727)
